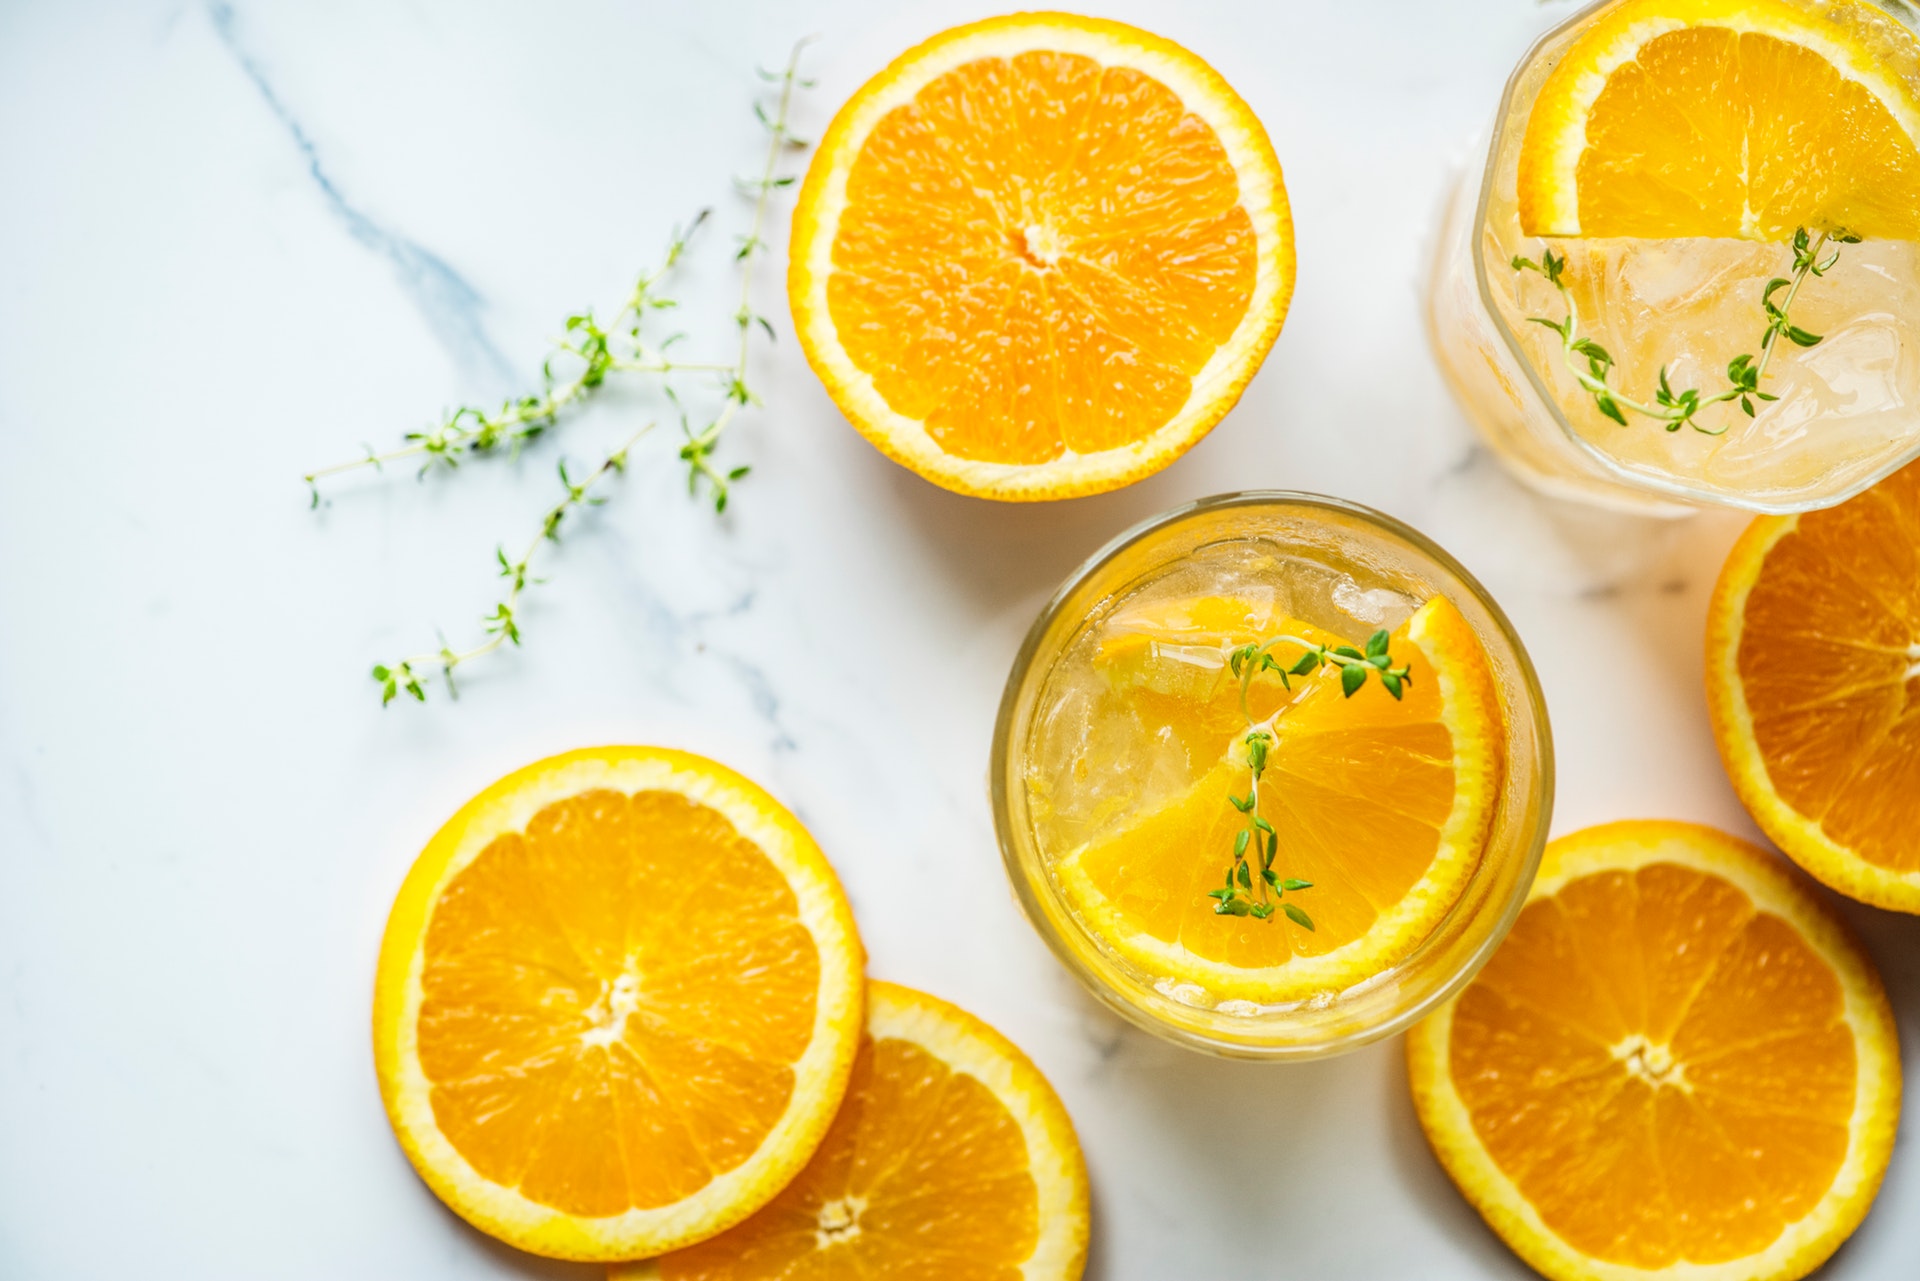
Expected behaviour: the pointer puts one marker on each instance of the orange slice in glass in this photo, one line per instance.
(1735, 118)
(1382, 804)
(1813, 672)
(1679, 1064)
(952, 1160)
(618, 1001)
(1040, 255)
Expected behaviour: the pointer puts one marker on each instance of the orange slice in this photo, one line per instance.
(1678, 1065)
(1813, 686)
(951, 1161)
(1383, 805)
(1040, 255)
(618, 1001)
(1736, 118)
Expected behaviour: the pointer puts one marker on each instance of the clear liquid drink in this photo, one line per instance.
(1828, 418)
(1404, 804)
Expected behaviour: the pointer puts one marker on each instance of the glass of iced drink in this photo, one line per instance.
(1688, 272)
(1271, 775)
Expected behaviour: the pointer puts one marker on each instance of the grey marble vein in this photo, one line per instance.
(450, 306)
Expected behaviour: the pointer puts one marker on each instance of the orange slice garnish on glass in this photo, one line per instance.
(1383, 805)
(1733, 118)
(1813, 671)
(1679, 1064)
(1040, 255)
(952, 1160)
(618, 1002)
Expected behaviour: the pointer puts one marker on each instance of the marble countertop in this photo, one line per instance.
(237, 240)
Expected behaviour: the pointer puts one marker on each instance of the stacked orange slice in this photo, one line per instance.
(620, 1010)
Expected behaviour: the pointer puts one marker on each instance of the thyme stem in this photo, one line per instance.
(1591, 364)
(1255, 890)
(502, 625)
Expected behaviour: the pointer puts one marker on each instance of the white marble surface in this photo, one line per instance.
(236, 241)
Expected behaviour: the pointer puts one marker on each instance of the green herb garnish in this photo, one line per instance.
(1253, 888)
(1591, 364)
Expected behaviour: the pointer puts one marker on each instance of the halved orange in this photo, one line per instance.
(952, 1160)
(1382, 804)
(1734, 118)
(618, 1002)
(1040, 255)
(1678, 1065)
(1813, 686)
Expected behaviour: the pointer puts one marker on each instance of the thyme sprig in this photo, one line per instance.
(1255, 890)
(1591, 364)
(502, 626)
(594, 349)
(589, 353)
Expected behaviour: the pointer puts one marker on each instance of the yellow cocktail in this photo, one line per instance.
(1689, 272)
(1271, 773)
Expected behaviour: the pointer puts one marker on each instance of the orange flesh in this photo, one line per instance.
(923, 1175)
(613, 1002)
(1663, 1071)
(1826, 662)
(1712, 132)
(1359, 787)
(1037, 255)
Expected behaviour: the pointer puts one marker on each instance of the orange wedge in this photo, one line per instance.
(1040, 255)
(1382, 805)
(1678, 1065)
(1813, 672)
(951, 1161)
(618, 1002)
(1735, 118)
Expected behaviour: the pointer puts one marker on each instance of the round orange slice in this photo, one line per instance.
(1813, 686)
(1679, 1064)
(618, 1002)
(1734, 118)
(952, 1160)
(1040, 256)
(1383, 805)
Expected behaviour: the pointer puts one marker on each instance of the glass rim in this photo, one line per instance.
(1027, 893)
(1690, 495)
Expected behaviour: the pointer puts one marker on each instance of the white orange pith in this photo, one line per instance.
(1040, 255)
(952, 1160)
(1678, 1065)
(618, 1001)
(1734, 118)
(1383, 804)
(1813, 685)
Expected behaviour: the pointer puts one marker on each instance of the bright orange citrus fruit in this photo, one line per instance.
(1383, 805)
(618, 1002)
(1040, 255)
(952, 1160)
(1813, 686)
(1678, 1065)
(1735, 118)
